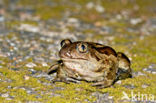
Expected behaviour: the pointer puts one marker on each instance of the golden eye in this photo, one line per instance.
(65, 42)
(82, 47)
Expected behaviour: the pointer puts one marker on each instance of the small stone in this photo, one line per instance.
(55, 94)
(154, 72)
(119, 82)
(5, 95)
(15, 69)
(98, 24)
(33, 71)
(29, 91)
(58, 88)
(135, 21)
(26, 77)
(33, 102)
(102, 97)
(38, 96)
(9, 87)
(90, 5)
(129, 86)
(100, 8)
(150, 66)
(8, 80)
(135, 74)
(8, 98)
(145, 86)
(44, 64)
(150, 70)
(118, 16)
(45, 75)
(110, 97)
(47, 84)
(31, 65)
(29, 28)
(79, 89)
(2, 18)
(73, 20)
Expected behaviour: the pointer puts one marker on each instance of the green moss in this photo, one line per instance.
(143, 53)
(14, 23)
(140, 58)
(78, 91)
(11, 24)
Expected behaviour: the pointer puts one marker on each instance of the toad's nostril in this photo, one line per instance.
(65, 42)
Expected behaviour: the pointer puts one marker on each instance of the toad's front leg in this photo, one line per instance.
(63, 75)
(57, 67)
(54, 67)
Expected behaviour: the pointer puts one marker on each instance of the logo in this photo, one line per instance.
(138, 97)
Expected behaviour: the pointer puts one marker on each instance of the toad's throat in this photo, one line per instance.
(84, 68)
(80, 64)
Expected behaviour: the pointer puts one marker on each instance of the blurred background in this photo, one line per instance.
(30, 35)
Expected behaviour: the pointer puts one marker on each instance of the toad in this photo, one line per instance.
(91, 62)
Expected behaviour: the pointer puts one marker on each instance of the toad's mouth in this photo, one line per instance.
(73, 59)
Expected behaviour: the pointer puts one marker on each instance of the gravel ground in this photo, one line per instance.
(30, 40)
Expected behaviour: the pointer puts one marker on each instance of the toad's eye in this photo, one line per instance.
(65, 42)
(82, 47)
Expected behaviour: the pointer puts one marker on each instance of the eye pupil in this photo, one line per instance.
(83, 47)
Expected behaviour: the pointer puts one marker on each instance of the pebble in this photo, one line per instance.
(32, 71)
(106, 30)
(2, 18)
(129, 86)
(73, 20)
(33, 102)
(29, 28)
(135, 74)
(145, 86)
(90, 5)
(150, 70)
(44, 64)
(5, 95)
(102, 97)
(31, 65)
(15, 69)
(8, 80)
(26, 77)
(99, 8)
(135, 21)
(47, 84)
(119, 82)
(58, 88)
(9, 87)
(55, 95)
(9, 98)
(45, 75)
